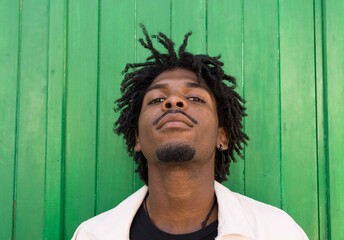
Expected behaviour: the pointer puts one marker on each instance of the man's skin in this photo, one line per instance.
(180, 193)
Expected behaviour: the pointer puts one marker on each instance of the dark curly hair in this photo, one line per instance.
(139, 76)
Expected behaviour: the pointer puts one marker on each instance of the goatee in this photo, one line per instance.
(175, 153)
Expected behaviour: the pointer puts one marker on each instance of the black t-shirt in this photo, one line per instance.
(142, 228)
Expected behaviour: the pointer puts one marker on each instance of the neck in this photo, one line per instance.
(180, 197)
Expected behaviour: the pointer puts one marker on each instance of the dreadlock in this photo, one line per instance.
(139, 76)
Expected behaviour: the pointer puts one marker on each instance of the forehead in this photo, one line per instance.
(175, 74)
(178, 76)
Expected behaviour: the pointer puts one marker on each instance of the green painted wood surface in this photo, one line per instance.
(334, 76)
(10, 35)
(298, 138)
(112, 159)
(81, 113)
(60, 70)
(194, 21)
(226, 23)
(54, 159)
(321, 141)
(31, 121)
(262, 93)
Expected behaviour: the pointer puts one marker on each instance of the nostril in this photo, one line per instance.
(180, 104)
(168, 105)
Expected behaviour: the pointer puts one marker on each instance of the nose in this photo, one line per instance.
(174, 102)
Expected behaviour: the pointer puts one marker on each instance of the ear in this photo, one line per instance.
(222, 138)
(137, 147)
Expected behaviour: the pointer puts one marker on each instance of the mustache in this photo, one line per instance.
(155, 122)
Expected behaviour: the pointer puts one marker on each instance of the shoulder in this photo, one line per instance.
(264, 221)
(115, 221)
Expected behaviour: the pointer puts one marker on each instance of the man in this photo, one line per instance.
(183, 126)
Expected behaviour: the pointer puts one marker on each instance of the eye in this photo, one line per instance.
(196, 99)
(156, 100)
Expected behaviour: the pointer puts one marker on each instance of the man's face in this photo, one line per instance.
(178, 111)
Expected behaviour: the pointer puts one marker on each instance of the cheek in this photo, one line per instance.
(145, 126)
(211, 119)
(211, 125)
(142, 125)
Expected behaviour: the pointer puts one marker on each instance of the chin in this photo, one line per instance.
(175, 152)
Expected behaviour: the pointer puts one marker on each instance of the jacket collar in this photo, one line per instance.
(232, 218)
(128, 210)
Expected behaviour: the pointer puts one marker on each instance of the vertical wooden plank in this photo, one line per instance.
(81, 113)
(321, 143)
(261, 74)
(31, 129)
(53, 200)
(117, 47)
(298, 114)
(334, 73)
(190, 16)
(225, 38)
(155, 14)
(9, 37)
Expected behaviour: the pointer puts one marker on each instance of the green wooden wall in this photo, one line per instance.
(60, 63)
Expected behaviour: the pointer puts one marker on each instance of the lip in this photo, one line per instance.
(175, 119)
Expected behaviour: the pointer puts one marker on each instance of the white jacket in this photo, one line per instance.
(239, 217)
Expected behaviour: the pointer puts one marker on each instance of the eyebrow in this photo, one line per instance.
(163, 86)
